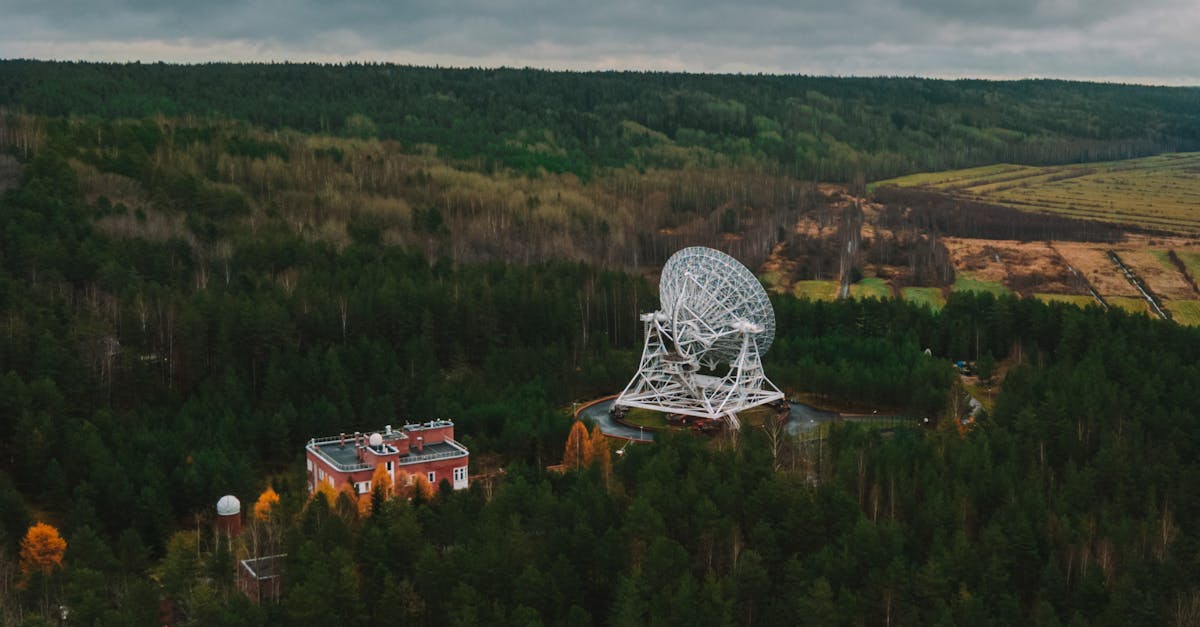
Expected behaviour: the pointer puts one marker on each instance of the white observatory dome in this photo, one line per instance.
(229, 506)
(376, 440)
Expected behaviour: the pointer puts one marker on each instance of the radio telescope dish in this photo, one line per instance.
(714, 315)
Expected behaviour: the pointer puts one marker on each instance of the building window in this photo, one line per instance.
(389, 466)
(431, 479)
(310, 465)
(363, 487)
(460, 474)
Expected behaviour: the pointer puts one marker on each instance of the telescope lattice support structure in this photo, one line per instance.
(715, 315)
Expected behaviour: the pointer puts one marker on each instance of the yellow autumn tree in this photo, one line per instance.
(42, 549)
(266, 501)
(422, 486)
(382, 479)
(601, 453)
(326, 490)
(578, 451)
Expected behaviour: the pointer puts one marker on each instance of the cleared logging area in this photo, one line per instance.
(1156, 193)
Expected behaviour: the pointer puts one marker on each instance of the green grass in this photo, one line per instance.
(639, 417)
(756, 416)
(815, 290)
(1132, 304)
(771, 280)
(1185, 312)
(928, 296)
(965, 282)
(1164, 259)
(1160, 192)
(871, 287)
(1191, 261)
(1079, 300)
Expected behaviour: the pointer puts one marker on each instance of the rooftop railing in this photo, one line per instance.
(413, 458)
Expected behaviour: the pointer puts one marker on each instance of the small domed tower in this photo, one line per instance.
(229, 515)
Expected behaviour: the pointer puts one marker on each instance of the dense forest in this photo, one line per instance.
(810, 128)
(186, 298)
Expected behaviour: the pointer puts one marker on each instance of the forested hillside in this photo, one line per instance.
(190, 290)
(812, 128)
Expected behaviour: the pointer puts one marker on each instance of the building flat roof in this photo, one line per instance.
(345, 458)
(438, 450)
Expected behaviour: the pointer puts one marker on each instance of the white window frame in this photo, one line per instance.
(432, 479)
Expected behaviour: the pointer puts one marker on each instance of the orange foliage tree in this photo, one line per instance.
(422, 486)
(42, 549)
(267, 500)
(382, 479)
(326, 490)
(601, 453)
(578, 451)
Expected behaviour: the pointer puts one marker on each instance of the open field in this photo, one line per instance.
(1160, 192)
(1129, 303)
(967, 282)
(1078, 300)
(871, 287)
(929, 296)
(1184, 311)
(981, 244)
(1191, 261)
(1092, 262)
(1159, 274)
(815, 290)
(1022, 267)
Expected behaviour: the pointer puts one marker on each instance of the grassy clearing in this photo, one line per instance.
(929, 296)
(1158, 192)
(639, 417)
(1191, 261)
(1129, 303)
(966, 282)
(756, 416)
(815, 290)
(871, 287)
(1185, 312)
(772, 280)
(1079, 300)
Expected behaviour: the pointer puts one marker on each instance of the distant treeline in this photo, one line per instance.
(533, 120)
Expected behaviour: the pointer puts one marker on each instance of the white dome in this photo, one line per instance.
(229, 505)
(376, 439)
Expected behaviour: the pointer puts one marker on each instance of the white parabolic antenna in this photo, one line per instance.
(715, 315)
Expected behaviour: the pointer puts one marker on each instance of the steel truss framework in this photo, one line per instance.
(714, 314)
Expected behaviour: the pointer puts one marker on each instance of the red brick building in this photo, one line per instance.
(427, 449)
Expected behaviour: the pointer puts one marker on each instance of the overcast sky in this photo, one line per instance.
(1144, 41)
